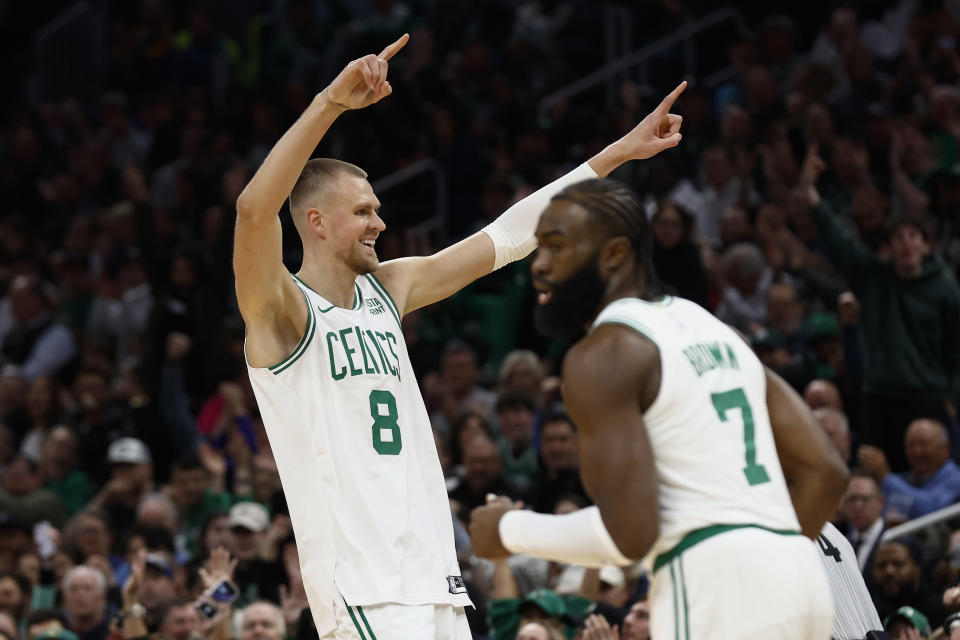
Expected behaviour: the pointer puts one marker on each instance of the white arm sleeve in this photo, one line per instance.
(576, 538)
(513, 231)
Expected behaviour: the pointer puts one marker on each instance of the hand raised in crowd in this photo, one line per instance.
(951, 599)
(813, 166)
(293, 600)
(212, 460)
(218, 566)
(364, 80)
(131, 588)
(596, 627)
(874, 461)
(485, 527)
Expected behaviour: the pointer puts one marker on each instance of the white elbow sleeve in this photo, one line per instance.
(513, 231)
(576, 538)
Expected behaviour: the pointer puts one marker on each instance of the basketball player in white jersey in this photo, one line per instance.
(699, 460)
(333, 381)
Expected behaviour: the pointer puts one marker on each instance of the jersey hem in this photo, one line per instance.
(699, 535)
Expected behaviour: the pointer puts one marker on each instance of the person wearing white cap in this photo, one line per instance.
(131, 479)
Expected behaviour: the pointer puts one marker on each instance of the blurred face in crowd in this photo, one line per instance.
(893, 569)
(139, 475)
(822, 393)
(559, 445)
(863, 503)
(11, 597)
(217, 533)
(262, 621)
(533, 631)
(190, 486)
(524, 377)
(12, 391)
(181, 621)
(667, 226)
(90, 535)
(265, 479)
(156, 512)
(636, 626)
(516, 424)
(784, 309)
(20, 478)
(908, 248)
(157, 588)
(244, 543)
(833, 425)
(25, 301)
(868, 208)
(92, 391)
(716, 167)
(59, 452)
(927, 447)
(84, 596)
(40, 400)
(482, 464)
(459, 370)
(734, 225)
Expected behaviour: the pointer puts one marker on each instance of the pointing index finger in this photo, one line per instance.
(391, 49)
(670, 99)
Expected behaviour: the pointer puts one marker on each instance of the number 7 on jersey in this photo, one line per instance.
(737, 399)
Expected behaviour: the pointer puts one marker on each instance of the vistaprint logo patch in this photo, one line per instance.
(375, 306)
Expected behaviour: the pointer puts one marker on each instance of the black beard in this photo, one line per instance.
(573, 302)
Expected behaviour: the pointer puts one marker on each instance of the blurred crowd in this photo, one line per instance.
(814, 204)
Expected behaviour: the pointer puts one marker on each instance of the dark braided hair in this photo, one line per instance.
(616, 209)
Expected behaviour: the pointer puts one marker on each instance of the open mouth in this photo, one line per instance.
(543, 293)
(368, 243)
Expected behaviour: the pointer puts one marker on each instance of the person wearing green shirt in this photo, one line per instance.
(197, 495)
(57, 467)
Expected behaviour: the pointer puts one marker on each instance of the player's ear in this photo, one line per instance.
(612, 254)
(318, 221)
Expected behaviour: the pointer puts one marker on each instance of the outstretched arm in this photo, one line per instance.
(418, 281)
(266, 294)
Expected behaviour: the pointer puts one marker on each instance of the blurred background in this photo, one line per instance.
(127, 423)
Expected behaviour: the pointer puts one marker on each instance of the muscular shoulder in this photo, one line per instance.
(613, 363)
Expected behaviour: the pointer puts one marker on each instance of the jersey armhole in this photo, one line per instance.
(305, 339)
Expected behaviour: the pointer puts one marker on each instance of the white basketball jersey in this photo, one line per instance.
(713, 446)
(357, 460)
(854, 613)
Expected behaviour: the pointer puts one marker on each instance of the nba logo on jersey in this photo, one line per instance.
(457, 585)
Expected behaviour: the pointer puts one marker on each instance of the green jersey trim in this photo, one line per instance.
(375, 282)
(301, 347)
(699, 535)
(357, 296)
(639, 327)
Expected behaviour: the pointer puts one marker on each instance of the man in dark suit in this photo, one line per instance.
(863, 510)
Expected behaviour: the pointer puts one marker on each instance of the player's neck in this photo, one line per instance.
(329, 277)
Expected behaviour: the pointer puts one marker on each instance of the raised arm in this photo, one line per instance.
(418, 281)
(270, 303)
(815, 474)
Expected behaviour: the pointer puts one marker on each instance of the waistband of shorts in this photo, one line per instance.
(699, 535)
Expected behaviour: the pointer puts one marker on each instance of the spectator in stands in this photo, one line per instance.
(179, 619)
(13, 406)
(515, 418)
(156, 588)
(85, 602)
(38, 343)
(131, 478)
(249, 524)
(862, 509)
(157, 510)
(910, 321)
(559, 452)
(262, 620)
(822, 393)
(676, 256)
(455, 389)
(14, 595)
(195, 499)
(98, 422)
(43, 409)
(467, 427)
(521, 372)
(43, 622)
(898, 581)
(16, 539)
(901, 622)
(483, 474)
(837, 428)
(57, 467)
(8, 627)
(22, 494)
(933, 481)
(743, 302)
